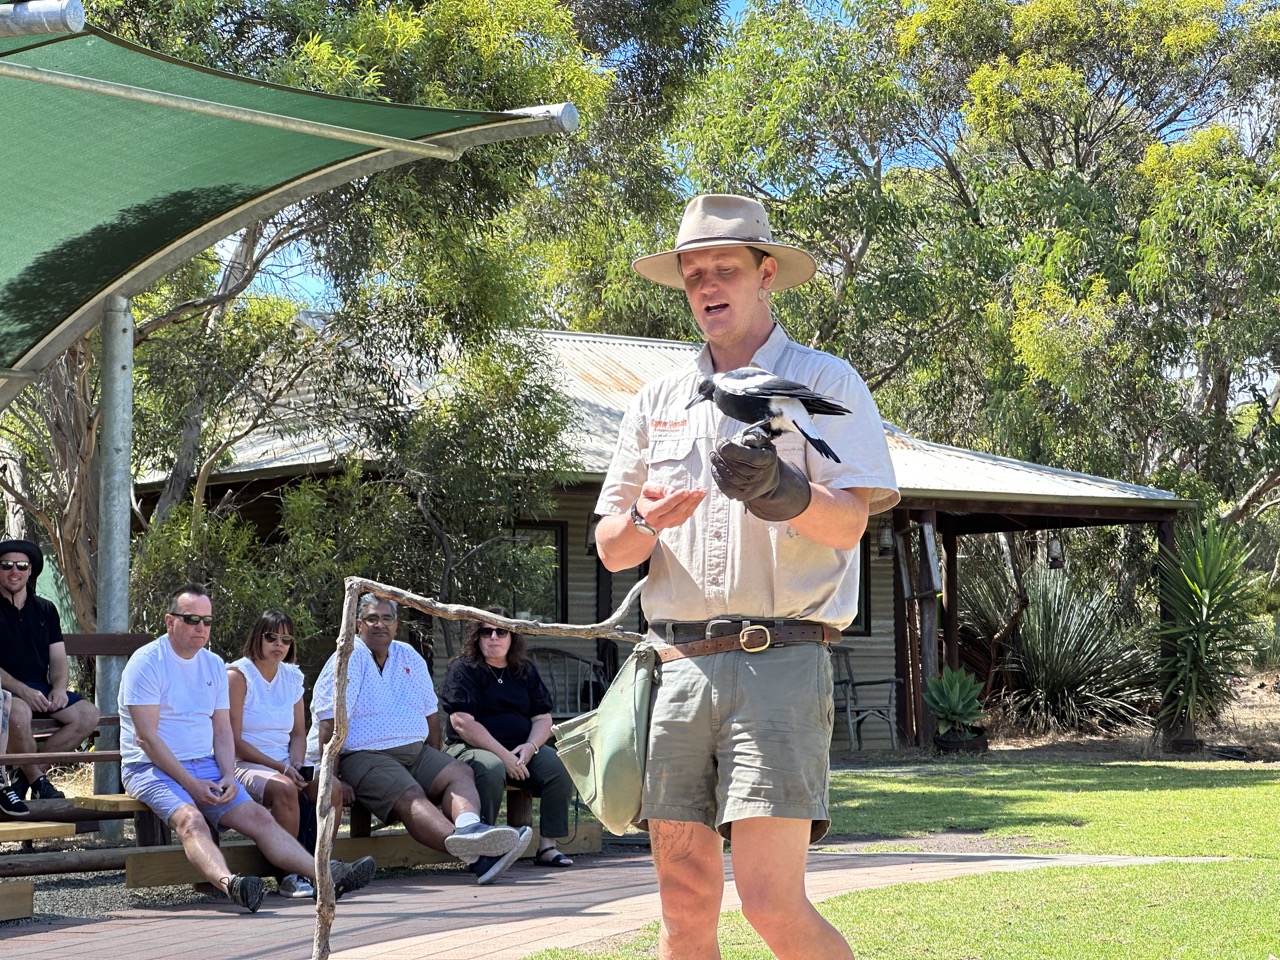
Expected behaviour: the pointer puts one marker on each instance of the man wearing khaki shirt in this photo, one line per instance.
(753, 553)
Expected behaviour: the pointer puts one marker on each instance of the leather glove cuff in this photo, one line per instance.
(787, 500)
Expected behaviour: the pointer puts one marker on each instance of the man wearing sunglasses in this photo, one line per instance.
(392, 756)
(178, 756)
(35, 670)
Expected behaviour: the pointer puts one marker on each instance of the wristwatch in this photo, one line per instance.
(640, 522)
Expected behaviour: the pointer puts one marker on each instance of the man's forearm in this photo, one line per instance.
(834, 518)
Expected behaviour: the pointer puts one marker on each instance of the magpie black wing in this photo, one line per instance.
(757, 383)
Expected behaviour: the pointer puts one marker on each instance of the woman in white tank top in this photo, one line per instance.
(270, 730)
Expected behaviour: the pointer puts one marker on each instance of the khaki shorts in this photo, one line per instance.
(737, 735)
(381, 777)
(254, 777)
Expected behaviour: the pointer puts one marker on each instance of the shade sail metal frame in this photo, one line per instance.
(380, 151)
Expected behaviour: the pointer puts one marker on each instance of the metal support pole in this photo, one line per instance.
(40, 17)
(114, 515)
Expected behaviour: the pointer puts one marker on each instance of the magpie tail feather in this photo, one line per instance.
(819, 444)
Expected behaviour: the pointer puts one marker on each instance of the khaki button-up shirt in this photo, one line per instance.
(723, 561)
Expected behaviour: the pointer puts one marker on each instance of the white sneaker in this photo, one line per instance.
(295, 887)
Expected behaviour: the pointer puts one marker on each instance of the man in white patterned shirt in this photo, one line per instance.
(392, 757)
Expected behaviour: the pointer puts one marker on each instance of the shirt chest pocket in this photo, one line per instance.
(673, 461)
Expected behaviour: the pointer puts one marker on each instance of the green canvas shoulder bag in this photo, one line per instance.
(605, 750)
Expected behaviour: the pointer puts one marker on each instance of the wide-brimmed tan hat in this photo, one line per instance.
(726, 220)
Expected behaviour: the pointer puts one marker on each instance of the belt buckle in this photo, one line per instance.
(706, 630)
(754, 630)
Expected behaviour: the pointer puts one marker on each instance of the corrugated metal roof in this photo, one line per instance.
(603, 372)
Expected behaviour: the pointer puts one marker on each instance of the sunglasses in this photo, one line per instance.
(373, 621)
(285, 638)
(495, 631)
(192, 619)
(23, 565)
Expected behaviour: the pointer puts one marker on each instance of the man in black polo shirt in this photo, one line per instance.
(34, 668)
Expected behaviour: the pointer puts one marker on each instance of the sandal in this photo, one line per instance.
(551, 857)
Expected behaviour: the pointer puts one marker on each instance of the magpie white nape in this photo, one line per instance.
(769, 404)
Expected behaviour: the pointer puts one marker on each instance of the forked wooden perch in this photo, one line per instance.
(354, 588)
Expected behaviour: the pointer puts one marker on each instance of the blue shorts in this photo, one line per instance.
(46, 689)
(163, 794)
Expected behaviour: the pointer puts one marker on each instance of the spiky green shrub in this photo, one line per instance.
(1071, 667)
(1213, 603)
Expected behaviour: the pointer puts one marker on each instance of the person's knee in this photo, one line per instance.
(19, 715)
(82, 717)
(188, 823)
(282, 796)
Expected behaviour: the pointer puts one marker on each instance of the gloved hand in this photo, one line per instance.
(772, 488)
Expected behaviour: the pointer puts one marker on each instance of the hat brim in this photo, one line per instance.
(32, 551)
(794, 265)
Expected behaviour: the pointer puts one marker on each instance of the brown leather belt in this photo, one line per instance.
(697, 638)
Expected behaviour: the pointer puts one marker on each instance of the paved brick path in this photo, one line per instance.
(445, 916)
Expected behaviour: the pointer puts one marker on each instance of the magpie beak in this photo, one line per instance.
(769, 404)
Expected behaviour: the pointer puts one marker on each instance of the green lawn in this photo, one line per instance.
(1216, 910)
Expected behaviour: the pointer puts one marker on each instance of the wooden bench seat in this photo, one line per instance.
(16, 830)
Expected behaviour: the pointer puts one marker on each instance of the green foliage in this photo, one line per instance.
(1071, 666)
(225, 554)
(954, 699)
(1213, 602)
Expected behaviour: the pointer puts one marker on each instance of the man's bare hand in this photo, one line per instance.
(34, 699)
(664, 507)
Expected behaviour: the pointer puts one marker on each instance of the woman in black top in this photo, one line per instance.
(500, 718)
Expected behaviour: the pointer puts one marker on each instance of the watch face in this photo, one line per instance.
(640, 523)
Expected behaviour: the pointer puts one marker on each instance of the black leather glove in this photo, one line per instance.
(771, 488)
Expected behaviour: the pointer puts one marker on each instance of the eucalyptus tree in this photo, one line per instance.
(1040, 225)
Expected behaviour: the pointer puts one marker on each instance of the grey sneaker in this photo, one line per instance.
(348, 877)
(478, 840)
(295, 887)
(246, 891)
(489, 869)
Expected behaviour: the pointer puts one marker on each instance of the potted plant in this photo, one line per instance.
(954, 701)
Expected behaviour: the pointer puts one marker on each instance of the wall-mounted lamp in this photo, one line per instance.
(884, 538)
(1053, 551)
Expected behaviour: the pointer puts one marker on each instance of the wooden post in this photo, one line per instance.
(926, 584)
(1166, 546)
(951, 598)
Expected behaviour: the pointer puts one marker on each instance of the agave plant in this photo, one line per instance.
(1071, 665)
(1211, 633)
(954, 700)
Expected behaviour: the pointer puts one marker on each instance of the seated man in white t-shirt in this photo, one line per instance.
(178, 755)
(392, 755)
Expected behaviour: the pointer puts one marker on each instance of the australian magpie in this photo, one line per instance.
(769, 404)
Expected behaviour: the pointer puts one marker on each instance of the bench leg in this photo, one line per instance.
(519, 808)
(361, 820)
(150, 831)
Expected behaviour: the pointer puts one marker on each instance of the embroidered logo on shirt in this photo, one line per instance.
(660, 426)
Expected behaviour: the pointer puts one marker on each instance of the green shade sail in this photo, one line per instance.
(105, 188)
